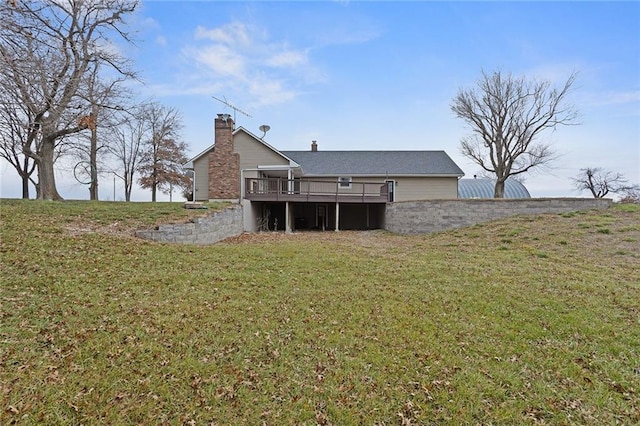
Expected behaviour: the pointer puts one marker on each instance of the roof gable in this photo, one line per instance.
(259, 140)
(189, 164)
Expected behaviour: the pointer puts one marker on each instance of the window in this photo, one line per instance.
(344, 183)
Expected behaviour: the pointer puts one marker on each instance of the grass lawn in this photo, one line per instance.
(522, 321)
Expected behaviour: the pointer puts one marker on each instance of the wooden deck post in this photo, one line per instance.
(337, 216)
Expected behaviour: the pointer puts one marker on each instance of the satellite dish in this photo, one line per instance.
(264, 129)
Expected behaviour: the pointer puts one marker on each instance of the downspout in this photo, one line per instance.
(193, 193)
(241, 186)
(287, 210)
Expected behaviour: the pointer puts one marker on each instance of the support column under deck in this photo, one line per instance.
(368, 227)
(287, 218)
(337, 216)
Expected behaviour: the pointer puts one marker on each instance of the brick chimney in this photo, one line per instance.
(314, 146)
(224, 163)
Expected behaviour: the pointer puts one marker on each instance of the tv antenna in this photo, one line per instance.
(235, 109)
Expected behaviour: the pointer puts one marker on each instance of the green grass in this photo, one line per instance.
(97, 327)
(628, 207)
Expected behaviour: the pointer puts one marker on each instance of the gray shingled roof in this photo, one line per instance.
(484, 188)
(374, 163)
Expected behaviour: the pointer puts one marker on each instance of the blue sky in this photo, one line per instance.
(381, 75)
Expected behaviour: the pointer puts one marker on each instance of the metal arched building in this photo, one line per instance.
(484, 188)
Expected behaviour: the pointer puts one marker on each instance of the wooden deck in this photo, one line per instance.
(315, 191)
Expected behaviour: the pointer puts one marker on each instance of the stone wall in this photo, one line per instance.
(202, 230)
(416, 217)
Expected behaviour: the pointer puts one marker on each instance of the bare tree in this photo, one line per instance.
(602, 182)
(46, 48)
(104, 97)
(163, 155)
(13, 134)
(126, 145)
(632, 196)
(507, 116)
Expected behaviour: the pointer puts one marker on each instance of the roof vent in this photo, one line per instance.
(314, 146)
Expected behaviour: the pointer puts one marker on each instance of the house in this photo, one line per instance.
(315, 189)
(484, 188)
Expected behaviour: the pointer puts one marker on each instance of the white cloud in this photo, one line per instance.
(187, 87)
(287, 59)
(220, 59)
(243, 61)
(161, 41)
(242, 58)
(231, 34)
(148, 24)
(270, 92)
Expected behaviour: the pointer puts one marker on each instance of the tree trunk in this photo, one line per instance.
(25, 187)
(154, 186)
(25, 178)
(93, 161)
(93, 187)
(127, 178)
(128, 185)
(46, 174)
(499, 189)
(93, 157)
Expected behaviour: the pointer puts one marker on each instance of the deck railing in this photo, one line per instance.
(279, 189)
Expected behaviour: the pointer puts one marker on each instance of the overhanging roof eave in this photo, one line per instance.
(384, 175)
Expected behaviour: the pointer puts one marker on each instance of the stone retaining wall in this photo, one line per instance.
(417, 217)
(202, 230)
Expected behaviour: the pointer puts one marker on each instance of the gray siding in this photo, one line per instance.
(420, 188)
(201, 169)
(407, 188)
(254, 154)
